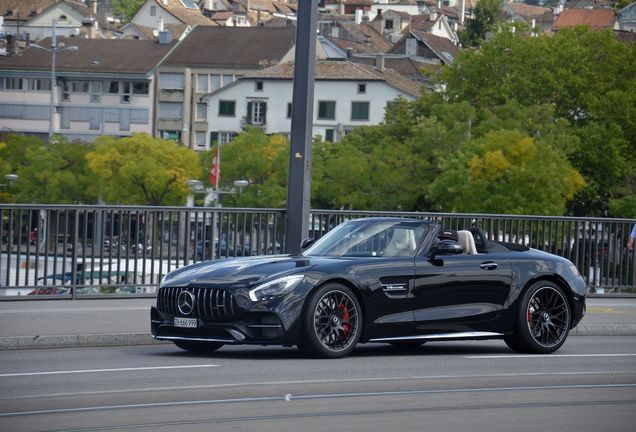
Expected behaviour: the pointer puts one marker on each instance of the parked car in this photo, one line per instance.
(389, 280)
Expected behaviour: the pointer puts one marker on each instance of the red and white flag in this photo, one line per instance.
(215, 170)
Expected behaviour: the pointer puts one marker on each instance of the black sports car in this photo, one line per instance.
(392, 280)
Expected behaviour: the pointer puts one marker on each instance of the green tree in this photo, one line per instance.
(506, 172)
(485, 18)
(587, 77)
(142, 170)
(50, 174)
(126, 8)
(260, 159)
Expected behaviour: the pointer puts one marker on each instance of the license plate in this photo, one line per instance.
(185, 322)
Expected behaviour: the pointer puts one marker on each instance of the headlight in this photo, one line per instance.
(276, 288)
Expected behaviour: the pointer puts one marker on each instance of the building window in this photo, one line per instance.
(140, 87)
(112, 87)
(170, 110)
(226, 137)
(170, 135)
(171, 81)
(199, 139)
(11, 84)
(202, 111)
(326, 110)
(388, 24)
(362, 88)
(289, 110)
(329, 135)
(256, 112)
(153, 10)
(125, 91)
(359, 110)
(216, 82)
(96, 91)
(227, 108)
(202, 83)
(258, 86)
(37, 84)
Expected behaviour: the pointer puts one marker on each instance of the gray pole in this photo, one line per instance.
(299, 181)
(52, 107)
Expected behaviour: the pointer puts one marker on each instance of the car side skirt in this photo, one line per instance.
(442, 336)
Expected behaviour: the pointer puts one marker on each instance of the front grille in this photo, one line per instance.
(210, 303)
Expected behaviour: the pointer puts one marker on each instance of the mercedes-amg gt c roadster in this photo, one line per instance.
(381, 280)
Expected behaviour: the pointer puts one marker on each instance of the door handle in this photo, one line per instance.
(488, 265)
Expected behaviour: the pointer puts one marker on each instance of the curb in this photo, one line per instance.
(76, 341)
(131, 339)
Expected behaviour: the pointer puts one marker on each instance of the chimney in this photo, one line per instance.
(462, 11)
(411, 47)
(335, 32)
(165, 37)
(92, 4)
(358, 16)
(433, 16)
(10, 45)
(349, 53)
(160, 26)
(341, 7)
(379, 62)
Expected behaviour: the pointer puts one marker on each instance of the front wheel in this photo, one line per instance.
(197, 347)
(543, 320)
(332, 323)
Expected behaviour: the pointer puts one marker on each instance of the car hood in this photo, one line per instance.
(239, 272)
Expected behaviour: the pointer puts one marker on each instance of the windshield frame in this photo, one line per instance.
(367, 228)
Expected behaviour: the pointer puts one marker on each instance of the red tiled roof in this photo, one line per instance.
(595, 18)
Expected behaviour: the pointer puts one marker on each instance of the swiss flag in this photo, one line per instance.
(215, 170)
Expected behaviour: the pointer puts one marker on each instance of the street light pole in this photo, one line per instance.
(53, 50)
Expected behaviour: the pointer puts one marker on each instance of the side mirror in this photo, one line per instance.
(306, 243)
(448, 247)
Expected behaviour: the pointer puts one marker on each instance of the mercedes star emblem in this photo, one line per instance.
(185, 302)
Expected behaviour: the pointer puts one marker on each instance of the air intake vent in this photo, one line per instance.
(209, 303)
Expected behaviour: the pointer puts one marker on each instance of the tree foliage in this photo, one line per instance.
(126, 8)
(142, 170)
(506, 172)
(483, 21)
(260, 159)
(56, 173)
(587, 77)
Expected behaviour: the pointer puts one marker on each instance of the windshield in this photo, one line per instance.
(369, 238)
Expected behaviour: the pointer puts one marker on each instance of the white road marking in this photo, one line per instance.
(313, 396)
(516, 356)
(82, 371)
(325, 381)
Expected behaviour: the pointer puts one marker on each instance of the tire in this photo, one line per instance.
(543, 320)
(198, 347)
(332, 322)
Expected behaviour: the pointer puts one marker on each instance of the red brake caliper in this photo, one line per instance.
(345, 319)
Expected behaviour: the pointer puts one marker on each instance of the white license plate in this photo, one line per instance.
(185, 322)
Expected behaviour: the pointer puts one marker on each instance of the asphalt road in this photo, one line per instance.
(588, 385)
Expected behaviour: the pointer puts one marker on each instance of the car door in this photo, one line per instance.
(453, 292)
(386, 284)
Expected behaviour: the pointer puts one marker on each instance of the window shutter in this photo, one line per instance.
(248, 117)
(264, 112)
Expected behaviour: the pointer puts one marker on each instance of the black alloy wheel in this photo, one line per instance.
(198, 347)
(332, 324)
(543, 320)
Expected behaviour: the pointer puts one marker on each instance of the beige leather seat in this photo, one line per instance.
(402, 243)
(467, 241)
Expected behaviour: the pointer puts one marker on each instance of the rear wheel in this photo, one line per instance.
(198, 347)
(543, 320)
(332, 324)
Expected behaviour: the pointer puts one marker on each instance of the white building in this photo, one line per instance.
(346, 95)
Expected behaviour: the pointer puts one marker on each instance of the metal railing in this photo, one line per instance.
(79, 251)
